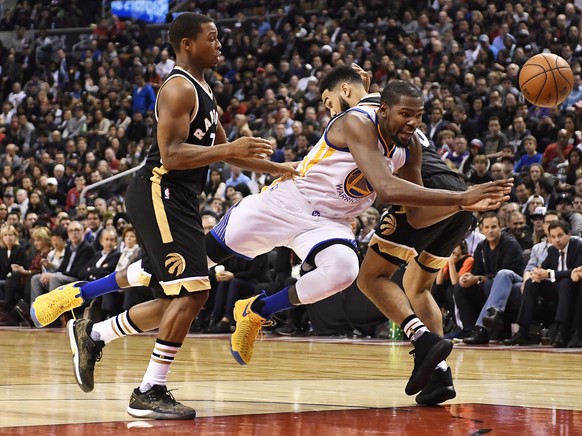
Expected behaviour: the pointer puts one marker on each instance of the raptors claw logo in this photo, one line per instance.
(175, 263)
(388, 225)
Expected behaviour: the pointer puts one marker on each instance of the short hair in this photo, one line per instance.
(489, 215)
(516, 213)
(186, 25)
(546, 184)
(60, 232)
(530, 138)
(559, 224)
(110, 230)
(397, 89)
(95, 212)
(445, 132)
(480, 158)
(127, 229)
(340, 73)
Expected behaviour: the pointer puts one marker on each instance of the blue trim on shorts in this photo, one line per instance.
(310, 258)
(226, 247)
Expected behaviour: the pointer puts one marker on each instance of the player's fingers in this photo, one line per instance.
(257, 140)
(262, 149)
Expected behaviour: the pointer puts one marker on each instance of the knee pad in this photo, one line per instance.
(337, 268)
(137, 276)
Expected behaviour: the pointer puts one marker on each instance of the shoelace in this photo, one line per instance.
(159, 394)
(266, 323)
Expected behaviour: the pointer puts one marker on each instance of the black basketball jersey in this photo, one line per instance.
(202, 132)
(435, 173)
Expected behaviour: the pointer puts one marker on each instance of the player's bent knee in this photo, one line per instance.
(342, 266)
(137, 276)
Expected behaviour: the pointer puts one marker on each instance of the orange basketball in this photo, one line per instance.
(546, 80)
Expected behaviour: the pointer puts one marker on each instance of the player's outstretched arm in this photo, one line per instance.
(176, 104)
(257, 164)
(359, 134)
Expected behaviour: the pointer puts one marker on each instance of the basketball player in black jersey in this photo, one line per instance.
(422, 238)
(162, 200)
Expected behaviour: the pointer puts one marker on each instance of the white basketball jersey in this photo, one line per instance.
(330, 179)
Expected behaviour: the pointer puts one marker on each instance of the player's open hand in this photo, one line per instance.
(486, 196)
(365, 77)
(250, 147)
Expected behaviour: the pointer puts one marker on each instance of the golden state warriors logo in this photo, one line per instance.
(175, 263)
(356, 185)
(388, 225)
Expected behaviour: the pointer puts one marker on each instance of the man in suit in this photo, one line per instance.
(497, 252)
(437, 124)
(78, 253)
(103, 261)
(553, 281)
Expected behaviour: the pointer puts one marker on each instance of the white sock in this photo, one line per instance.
(159, 366)
(443, 365)
(414, 328)
(114, 328)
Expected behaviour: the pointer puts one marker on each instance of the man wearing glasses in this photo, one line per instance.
(78, 253)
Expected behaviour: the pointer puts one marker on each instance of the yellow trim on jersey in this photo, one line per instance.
(324, 152)
(190, 284)
(159, 211)
(384, 143)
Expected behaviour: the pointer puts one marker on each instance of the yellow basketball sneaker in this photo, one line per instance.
(248, 327)
(48, 307)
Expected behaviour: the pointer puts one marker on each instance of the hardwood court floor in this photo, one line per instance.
(327, 386)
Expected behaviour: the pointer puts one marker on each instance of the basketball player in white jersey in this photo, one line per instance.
(352, 163)
(424, 249)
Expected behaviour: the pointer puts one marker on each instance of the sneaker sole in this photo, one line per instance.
(140, 413)
(439, 395)
(436, 354)
(37, 323)
(75, 350)
(236, 355)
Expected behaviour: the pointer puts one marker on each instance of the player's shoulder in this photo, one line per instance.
(370, 100)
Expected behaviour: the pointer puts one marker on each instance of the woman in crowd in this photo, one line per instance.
(215, 187)
(459, 263)
(42, 241)
(11, 253)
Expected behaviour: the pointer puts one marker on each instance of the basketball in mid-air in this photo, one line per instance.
(546, 80)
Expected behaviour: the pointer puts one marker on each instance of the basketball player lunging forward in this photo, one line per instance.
(162, 202)
(397, 242)
(352, 163)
